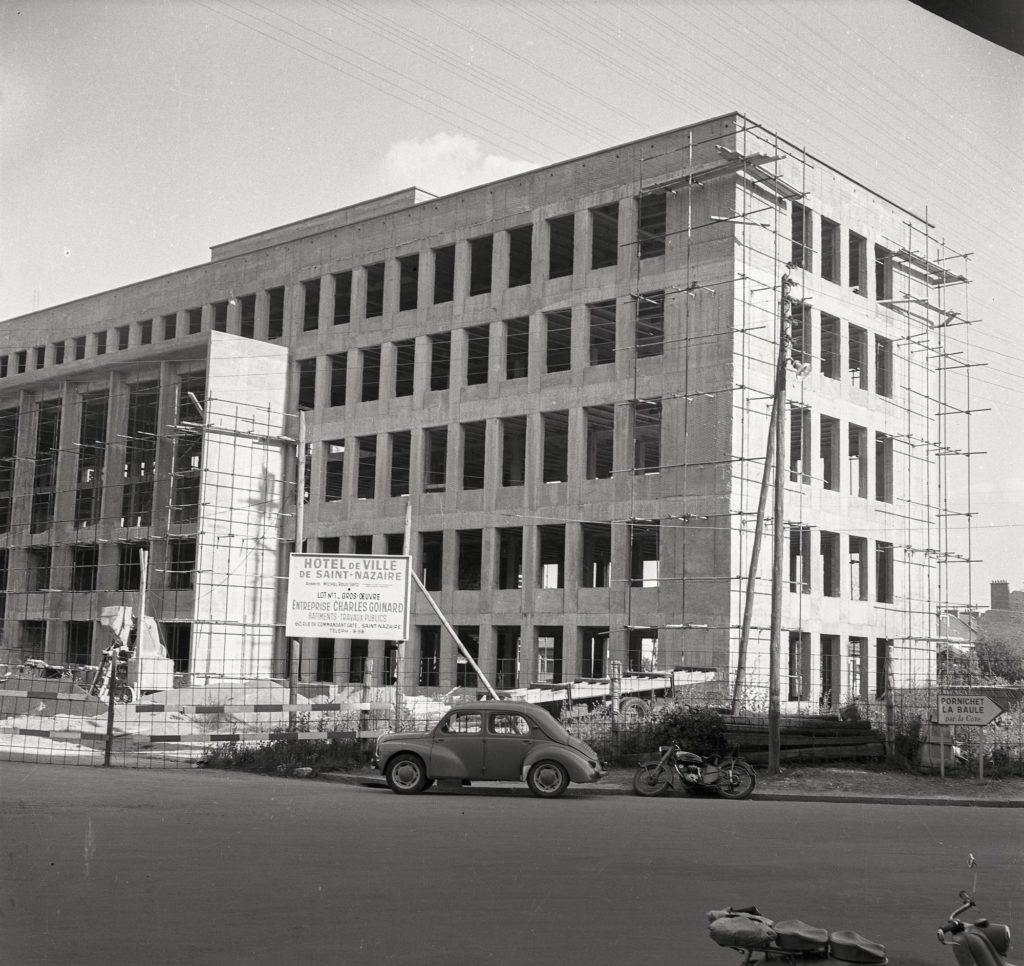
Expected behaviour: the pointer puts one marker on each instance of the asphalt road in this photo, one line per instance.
(120, 867)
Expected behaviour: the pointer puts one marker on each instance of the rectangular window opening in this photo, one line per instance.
(431, 558)
(647, 437)
(342, 313)
(857, 267)
(653, 223)
(405, 367)
(858, 568)
(440, 361)
(517, 348)
(520, 255)
(435, 454)
(401, 451)
(311, 305)
(366, 469)
(470, 548)
(375, 290)
(600, 424)
(555, 427)
(478, 344)
(371, 374)
(829, 447)
(602, 332)
(513, 451)
(830, 346)
(596, 554)
(650, 324)
(830, 570)
(481, 253)
(800, 560)
(644, 553)
(604, 236)
(334, 470)
(830, 270)
(561, 237)
(558, 329)
(408, 282)
(551, 556)
(474, 454)
(444, 274)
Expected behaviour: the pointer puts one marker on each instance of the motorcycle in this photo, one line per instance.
(977, 943)
(790, 940)
(729, 777)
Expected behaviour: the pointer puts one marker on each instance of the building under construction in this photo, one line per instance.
(558, 388)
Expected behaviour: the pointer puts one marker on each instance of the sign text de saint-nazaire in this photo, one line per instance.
(348, 595)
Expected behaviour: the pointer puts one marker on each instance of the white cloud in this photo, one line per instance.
(444, 163)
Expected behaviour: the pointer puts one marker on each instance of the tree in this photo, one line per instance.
(1000, 650)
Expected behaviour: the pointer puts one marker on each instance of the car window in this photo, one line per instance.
(506, 723)
(464, 723)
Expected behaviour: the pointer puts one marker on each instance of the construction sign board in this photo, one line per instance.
(348, 595)
(956, 708)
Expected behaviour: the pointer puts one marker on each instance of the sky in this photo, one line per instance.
(135, 134)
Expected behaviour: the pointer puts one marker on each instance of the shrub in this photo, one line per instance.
(283, 756)
(699, 730)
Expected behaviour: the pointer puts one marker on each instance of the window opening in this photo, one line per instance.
(883, 273)
(858, 364)
(596, 554)
(140, 455)
(431, 558)
(310, 305)
(642, 650)
(371, 374)
(829, 448)
(604, 235)
(857, 665)
(561, 236)
(92, 434)
(342, 313)
(802, 237)
(247, 316)
(440, 360)
(830, 270)
(44, 465)
(123, 338)
(653, 223)
(857, 456)
(800, 560)
(884, 561)
(647, 437)
(78, 647)
(551, 555)
(830, 682)
(307, 383)
(375, 290)
(435, 455)
(193, 320)
(401, 450)
(465, 676)
(181, 570)
(883, 366)
(513, 451)
(830, 580)
(510, 558)
(650, 324)
(644, 553)
(478, 344)
(549, 655)
(481, 252)
(559, 340)
(883, 468)
(430, 657)
(444, 274)
(408, 282)
(358, 658)
(800, 343)
(470, 548)
(474, 454)
(858, 265)
(830, 343)
(858, 568)
(555, 427)
(799, 669)
(334, 470)
(883, 651)
(517, 348)
(799, 443)
(520, 255)
(129, 566)
(593, 643)
(405, 367)
(220, 316)
(600, 421)
(602, 332)
(507, 641)
(8, 449)
(169, 326)
(366, 485)
(85, 560)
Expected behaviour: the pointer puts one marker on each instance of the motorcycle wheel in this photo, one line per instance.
(737, 781)
(650, 780)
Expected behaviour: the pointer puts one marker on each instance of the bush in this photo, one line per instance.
(283, 756)
(699, 730)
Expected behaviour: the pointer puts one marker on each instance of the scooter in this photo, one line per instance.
(728, 777)
(978, 943)
(789, 941)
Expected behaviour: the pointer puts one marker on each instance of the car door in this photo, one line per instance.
(457, 749)
(510, 738)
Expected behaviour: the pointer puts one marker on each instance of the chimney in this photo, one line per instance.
(1000, 594)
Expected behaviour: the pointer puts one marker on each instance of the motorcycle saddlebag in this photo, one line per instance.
(795, 936)
(742, 931)
(849, 947)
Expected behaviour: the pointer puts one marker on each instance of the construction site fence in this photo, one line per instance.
(56, 720)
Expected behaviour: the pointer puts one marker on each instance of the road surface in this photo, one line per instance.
(119, 867)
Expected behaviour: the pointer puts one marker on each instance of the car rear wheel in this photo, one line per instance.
(547, 779)
(406, 775)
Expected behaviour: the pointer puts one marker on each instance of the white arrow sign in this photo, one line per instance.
(967, 709)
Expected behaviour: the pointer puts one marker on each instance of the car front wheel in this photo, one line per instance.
(547, 779)
(406, 775)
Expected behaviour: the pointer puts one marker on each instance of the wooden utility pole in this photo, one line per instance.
(778, 529)
(295, 645)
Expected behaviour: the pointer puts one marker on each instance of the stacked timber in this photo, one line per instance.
(804, 738)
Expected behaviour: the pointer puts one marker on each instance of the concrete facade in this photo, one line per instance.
(566, 376)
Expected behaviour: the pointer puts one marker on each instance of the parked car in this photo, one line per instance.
(489, 741)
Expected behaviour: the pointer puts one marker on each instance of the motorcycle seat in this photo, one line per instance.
(793, 935)
(850, 947)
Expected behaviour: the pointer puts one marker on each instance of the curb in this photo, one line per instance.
(579, 791)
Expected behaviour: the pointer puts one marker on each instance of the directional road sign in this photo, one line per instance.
(967, 709)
